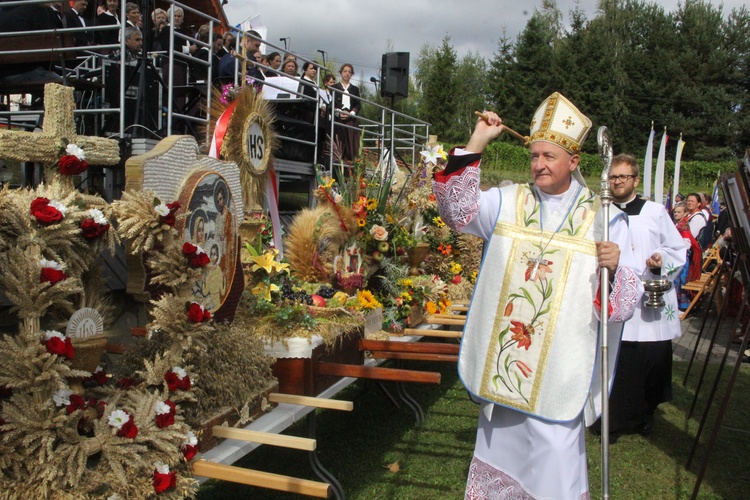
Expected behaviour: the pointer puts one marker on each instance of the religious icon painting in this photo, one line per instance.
(212, 225)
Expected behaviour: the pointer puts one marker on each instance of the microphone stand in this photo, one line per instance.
(605, 152)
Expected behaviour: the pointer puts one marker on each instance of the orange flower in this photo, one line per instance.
(431, 307)
(522, 334)
(508, 308)
(445, 249)
(541, 271)
(524, 368)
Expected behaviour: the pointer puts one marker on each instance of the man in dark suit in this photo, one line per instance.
(75, 19)
(251, 43)
(40, 16)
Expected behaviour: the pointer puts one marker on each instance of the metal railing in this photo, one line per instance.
(392, 135)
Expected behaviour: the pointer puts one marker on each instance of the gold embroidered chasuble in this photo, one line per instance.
(530, 343)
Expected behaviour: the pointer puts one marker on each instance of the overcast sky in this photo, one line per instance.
(359, 32)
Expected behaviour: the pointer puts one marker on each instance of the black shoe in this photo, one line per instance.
(647, 426)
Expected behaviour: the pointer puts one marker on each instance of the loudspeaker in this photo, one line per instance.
(394, 75)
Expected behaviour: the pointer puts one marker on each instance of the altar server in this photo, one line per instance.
(643, 378)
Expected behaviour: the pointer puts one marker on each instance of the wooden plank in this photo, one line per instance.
(328, 404)
(449, 316)
(431, 320)
(421, 347)
(456, 308)
(415, 356)
(260, 479)
(448, 334)
(378, 373)
(294, 442)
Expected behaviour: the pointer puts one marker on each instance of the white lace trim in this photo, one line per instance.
(458, 198)
(485, 482)
(624, 296)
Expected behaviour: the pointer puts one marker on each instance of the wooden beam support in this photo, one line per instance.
(294, 442)
(378, 373)
(328, 404)
(432, 320)
(448, 316)
(416, 356)
(420, 347)
(458, 308)
(260, 479)
(449, 334)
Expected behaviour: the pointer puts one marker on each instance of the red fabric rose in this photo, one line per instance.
(90, 230)
(56, 345)
(164, 482)
(51, 275)
(184, 384)
(169, 219)
(189, 451)
(197, 313)
(100, 377)
(196, 256)
(172, 381)
(44, 213)
(128, 429)
(166, 419)
(76, 403)
(199, 260)
(72, 165)
(456, 279)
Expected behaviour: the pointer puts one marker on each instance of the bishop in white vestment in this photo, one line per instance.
(531, 336)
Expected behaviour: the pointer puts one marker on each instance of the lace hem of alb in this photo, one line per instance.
(458, 198)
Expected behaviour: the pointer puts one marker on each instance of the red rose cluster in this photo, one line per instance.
(57, 343)
(44, 212)
(197, 313)
(123, 422)
(166, 212)
(164, 479)
(165, 412)
(71, 165)
(95, 225)
(197, 257)
(76, 403)
(177, 379)
(99, 376)
(51, 273)
(190, 446)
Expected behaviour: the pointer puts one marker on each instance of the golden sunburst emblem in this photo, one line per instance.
(85, 323)
(249, 142)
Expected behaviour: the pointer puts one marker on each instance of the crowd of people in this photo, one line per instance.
(228, 59)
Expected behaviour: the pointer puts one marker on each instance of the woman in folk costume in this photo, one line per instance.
(530, 341)
(692, 268)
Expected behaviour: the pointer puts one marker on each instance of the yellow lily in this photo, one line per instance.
(264, 261)
(264, 290)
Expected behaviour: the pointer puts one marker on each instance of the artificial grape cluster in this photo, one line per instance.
(301, 296)
(326, 292)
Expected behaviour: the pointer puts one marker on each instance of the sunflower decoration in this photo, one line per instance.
(249, 139)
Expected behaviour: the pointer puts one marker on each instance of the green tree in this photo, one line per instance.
(437, 81)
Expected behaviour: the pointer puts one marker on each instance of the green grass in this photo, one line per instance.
(357, 447)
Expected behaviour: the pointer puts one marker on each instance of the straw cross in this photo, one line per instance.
(58, 124)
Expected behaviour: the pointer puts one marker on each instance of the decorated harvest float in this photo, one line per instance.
(222, 308)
